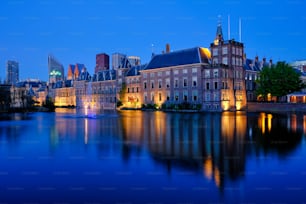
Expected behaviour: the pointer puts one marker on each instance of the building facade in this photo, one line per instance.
(117, 59)
(102, 62)
(12, 72)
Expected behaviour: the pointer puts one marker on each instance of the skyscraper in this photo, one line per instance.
(12, 72)
(117, 60)
(55, 70)
(102, 62)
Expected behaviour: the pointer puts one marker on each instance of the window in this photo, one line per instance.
(168, 95)
(176, 96)
(175, 72)
(216, 85)
(167, 73)
(185, 96)
(144, 75)
(133, 90)
(194, 95)
(185, 71)
(207, 73)
(207, 86)
(216, 96)
(145, 96)
(159, 74)
(159, 83)
(224, 50)
(137, 89)
(215, 60)
(207, 97)
(216, 73)
(194, 70)
(160, 96)
(233, 60)
(233, 50)
(184, 82)
(152, 84)
(128, 90)
(152, 96)
(119, 72)
(167, 82)
(151, 74)
(175, 83)
(194, 81)
(215, 52)
(224, 60)
(145, 85)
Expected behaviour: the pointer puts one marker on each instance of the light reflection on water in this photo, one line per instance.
(166, 153)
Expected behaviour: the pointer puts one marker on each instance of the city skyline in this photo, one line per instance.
(133, 27)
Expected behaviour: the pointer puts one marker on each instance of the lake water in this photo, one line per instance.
(152, 157)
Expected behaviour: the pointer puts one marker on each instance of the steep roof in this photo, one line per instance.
(181, 57)
(134, 71)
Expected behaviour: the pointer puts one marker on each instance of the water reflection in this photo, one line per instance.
(215, 144)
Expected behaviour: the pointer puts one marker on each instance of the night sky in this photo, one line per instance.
(74, 31)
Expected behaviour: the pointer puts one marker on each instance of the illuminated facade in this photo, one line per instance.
(12, 72)
(55, 70)
(224, 81)
(74, 71)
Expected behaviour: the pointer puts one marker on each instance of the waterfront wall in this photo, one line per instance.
(276, 107)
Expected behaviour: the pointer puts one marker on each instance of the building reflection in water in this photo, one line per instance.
(213, 144)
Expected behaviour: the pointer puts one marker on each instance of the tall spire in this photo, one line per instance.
(219, 33)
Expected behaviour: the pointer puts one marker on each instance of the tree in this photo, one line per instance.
(279, 80)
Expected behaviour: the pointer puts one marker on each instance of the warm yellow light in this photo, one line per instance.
(262, 121)
(238, 105)
(217, 177)
(208, 168)
(225, 105)
(269, 116)
(206, 52)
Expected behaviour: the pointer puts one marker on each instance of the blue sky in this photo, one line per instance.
(76, 30)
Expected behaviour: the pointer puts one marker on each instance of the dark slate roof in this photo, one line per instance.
(35, 84)
(253, 66)
(181, 57)
(134, 71)
(68, 83)
(84, 76)
(58, 84)
(104, 75)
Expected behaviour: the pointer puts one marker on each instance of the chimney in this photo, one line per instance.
(270, 63)
(167, 48)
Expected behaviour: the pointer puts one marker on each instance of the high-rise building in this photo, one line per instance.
(117, 60)
(102, 62)
(55, 70)
(134, 60)
(12, 72)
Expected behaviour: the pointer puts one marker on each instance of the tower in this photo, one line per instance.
(12, 72)
(228, 72)
(102, 62)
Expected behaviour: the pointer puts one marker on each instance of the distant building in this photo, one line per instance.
(12, 72)
(299, 65)
(23, 91)
(117, 59)
(55, 70)
(134, 60)
(74, 71)
(102, 62)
